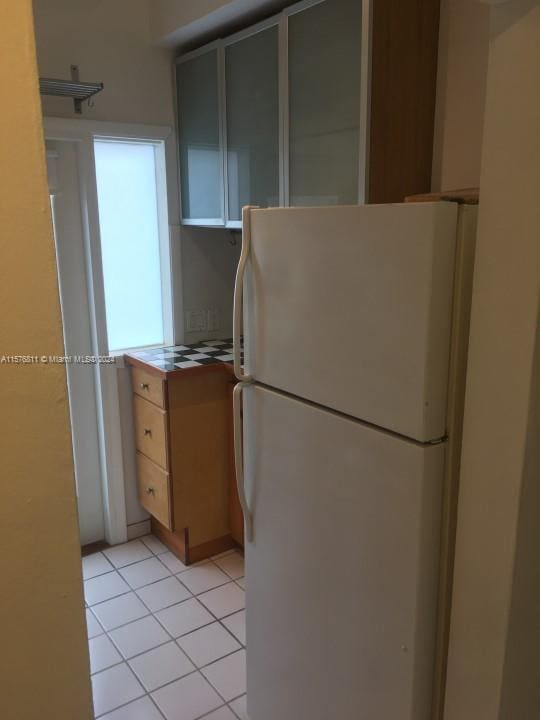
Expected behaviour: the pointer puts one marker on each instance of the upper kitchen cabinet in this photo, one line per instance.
(252, 115)
(331, 102)
(199, 138)
(325, 43)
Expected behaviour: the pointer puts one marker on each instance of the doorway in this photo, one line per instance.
(108, 186)
(65, 193)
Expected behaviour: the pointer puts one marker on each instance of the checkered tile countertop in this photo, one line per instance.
(182, 357)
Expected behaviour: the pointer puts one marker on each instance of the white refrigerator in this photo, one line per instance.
(354, 349)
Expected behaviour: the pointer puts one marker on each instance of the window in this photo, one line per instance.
(133, 227)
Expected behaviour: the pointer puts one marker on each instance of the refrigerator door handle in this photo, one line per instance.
(239, 458)
(239, 294)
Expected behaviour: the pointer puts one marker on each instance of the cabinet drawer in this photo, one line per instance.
(154, 490)
(148, 386)
(150, 431)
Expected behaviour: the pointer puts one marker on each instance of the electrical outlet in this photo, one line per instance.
(212, 320)
(196, 321)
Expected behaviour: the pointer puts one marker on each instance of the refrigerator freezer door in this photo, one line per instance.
(342, 568)
(351, 308)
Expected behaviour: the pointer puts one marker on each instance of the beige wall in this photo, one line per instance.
(495, 627)
(461, 86)
(44, 659)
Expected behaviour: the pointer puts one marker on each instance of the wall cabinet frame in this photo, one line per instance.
(398, 43)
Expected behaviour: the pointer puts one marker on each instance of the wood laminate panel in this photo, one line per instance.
(403, 84)
(154, 490)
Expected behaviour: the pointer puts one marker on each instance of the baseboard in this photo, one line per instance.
(139, 529)
(94, 547)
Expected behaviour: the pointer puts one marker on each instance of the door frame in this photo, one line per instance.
(82, 133)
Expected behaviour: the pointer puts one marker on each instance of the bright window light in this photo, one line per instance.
(130, 242)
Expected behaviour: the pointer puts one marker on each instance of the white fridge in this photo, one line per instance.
(354, 322)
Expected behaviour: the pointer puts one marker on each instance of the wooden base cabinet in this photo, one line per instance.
(183, 425)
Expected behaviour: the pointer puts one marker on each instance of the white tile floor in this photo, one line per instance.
(167, 642)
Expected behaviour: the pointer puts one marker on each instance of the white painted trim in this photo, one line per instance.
(186, 57)
(234, 225)
(223, 142)
(301, 6)
(365, 102)
(114, 504)
(283, 102)
(204, 222)
(83, 133)
(75, 129)
(165, 249)
(252, 30)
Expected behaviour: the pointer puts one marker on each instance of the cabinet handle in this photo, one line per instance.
(239, 459)
(239, 295)
(150, 491)
(147, 431)
(145, 386)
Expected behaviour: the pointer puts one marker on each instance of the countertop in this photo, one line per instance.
(184, 358)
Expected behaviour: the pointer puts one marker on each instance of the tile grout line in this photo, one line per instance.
(151, 613)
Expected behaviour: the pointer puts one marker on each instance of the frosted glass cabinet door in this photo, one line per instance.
(252, 121)
(324, 103)
(199, 138)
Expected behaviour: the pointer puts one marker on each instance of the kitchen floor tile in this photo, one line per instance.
(241, 582)
(237, 625)
(208, 644)
(172, 562)
(143, 709)
(239, 707)
(154, 544)
(144, 573)
(222, 714)
(163, 593)
(93, 628)
(232, 564)
(103, 654)
(203, 577)
(119, 611)
(160, 666)
(94, 565)
(104, 587)
(187, 699)
(141, 595)
(128, 553)
(184, 617)
(228, 675)
(224, 600)
(139, 636)
(114, 687)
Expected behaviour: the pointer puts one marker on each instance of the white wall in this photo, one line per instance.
(461, 87)
(495, 623)
(209, 259)
(111, 43)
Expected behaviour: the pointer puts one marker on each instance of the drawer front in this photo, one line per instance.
(154, 490)
(150, 431)
(148, 386)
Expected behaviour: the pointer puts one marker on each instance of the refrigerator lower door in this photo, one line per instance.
(342, 568)
(351, 307)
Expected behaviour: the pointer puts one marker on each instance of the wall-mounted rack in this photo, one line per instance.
(74, 88)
